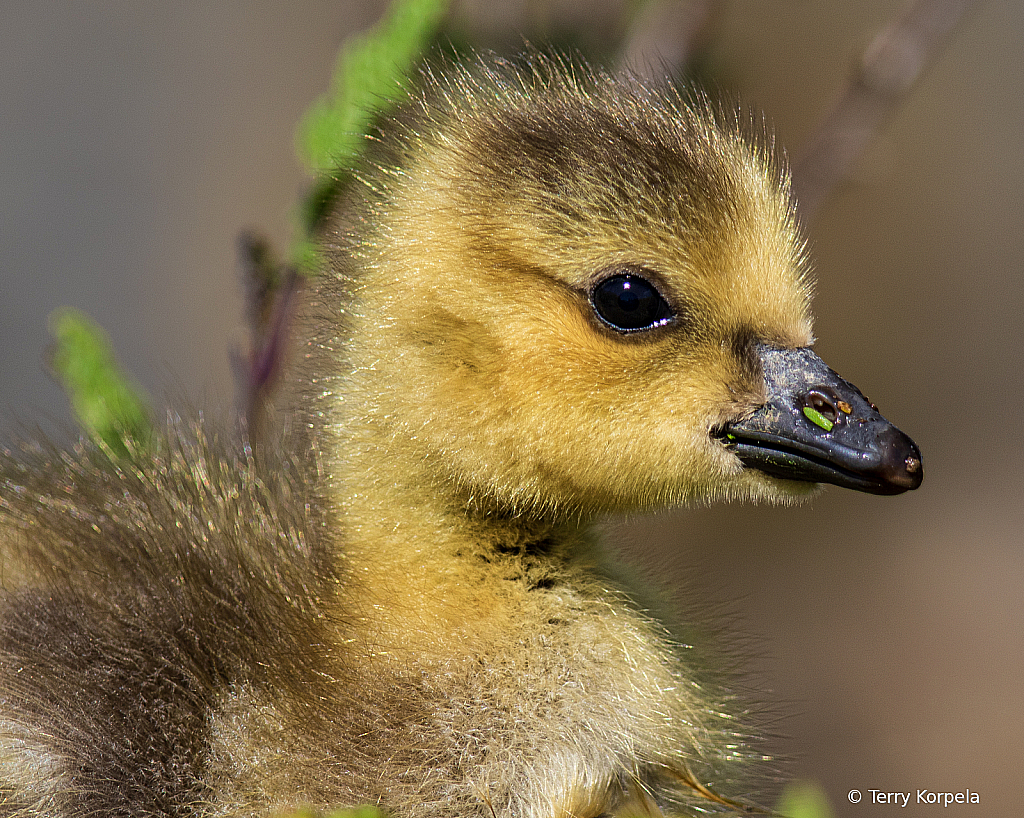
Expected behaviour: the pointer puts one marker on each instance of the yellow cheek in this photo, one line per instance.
(574, 411)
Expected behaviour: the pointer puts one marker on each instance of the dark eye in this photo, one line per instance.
(629, 303)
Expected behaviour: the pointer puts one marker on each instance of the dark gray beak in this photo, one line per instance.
(818, 428)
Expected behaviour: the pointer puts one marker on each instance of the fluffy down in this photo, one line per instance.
(408, 609)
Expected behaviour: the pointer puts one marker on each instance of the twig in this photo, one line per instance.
(884, 75)
(272, 289)
(665, 35)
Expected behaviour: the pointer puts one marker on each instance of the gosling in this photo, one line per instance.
(550, 294)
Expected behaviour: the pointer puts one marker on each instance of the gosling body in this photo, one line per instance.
(550, 294)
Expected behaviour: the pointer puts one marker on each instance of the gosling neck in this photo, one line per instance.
(432, 573)
(391, 500)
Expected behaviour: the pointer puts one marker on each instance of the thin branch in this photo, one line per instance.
(884, 75)
(665, 35)
(272, 289)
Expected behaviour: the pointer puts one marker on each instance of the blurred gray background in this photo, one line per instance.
(137, 140)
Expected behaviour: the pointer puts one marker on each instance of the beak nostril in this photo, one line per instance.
(822, 404)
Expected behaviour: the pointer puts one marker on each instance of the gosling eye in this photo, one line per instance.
(628, 303)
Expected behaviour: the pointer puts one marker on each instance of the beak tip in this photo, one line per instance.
(906, 469)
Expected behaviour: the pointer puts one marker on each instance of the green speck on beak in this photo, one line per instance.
(818, 419)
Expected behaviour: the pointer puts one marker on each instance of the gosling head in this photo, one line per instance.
(569, 293)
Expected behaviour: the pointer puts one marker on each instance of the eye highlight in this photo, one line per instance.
(629, 303)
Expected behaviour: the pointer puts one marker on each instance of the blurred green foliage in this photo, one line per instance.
(357, 812)
(368, 76)
(804, 799)
(110, 406)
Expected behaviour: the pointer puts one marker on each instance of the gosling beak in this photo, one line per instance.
(816, 427)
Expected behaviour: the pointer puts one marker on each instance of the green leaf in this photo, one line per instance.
(355, 812)
(109, 405)
(804, 799)
(818, 419)
(368, 76)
